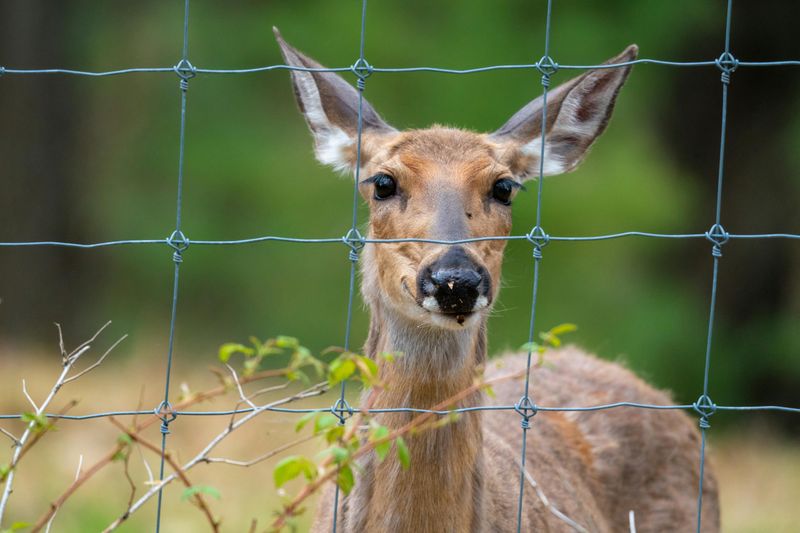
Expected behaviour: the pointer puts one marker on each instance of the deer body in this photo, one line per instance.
(584, 471)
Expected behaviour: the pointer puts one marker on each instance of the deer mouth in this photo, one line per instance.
(456, 313)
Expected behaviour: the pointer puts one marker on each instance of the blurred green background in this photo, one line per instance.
(96, 159)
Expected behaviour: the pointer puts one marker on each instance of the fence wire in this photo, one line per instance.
(178, 242)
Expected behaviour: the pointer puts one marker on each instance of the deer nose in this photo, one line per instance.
(453, 284)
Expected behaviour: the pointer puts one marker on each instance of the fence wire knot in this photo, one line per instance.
(342, 410)
(527, 410)
(178, 242)
(166, 414)
(355, 241)
(547, 67)
(727, 64)
(705, 408)
(185, 71)
(539, 239)
(363, 70)
(718, 236)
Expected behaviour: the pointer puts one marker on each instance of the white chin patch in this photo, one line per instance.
(431, 304)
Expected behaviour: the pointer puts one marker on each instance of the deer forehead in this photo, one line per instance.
(440, 156)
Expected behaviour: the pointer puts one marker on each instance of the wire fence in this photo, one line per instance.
(526, 407)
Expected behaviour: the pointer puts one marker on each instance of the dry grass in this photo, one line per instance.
(759, 472)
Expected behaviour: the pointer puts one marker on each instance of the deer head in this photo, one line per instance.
(446, 184)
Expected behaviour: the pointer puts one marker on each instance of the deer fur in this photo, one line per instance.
(464, 477)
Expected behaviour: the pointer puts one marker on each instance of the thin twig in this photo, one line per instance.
(96, 363)
(310, 488)
(187, 402)
(11, 436)
(32, 429)
(28, 396)
(181, 473)
(199, 458)
(55, 511)
(260, 458)
(75, 485)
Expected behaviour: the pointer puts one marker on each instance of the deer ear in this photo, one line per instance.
(330, 107)
(577, 113)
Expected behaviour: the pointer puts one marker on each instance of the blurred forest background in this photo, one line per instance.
(87, 160)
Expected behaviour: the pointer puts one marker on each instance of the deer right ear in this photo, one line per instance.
(330, 107)
(577, 113)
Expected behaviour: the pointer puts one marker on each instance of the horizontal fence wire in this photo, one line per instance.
(390, 70)
(179, 242)
(347, 240)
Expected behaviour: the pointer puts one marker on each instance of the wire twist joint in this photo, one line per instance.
(355, 241)
(178, 242)
(717, 236)
(527, 410)
(539, 239)
(727, 64)
(342, 410)
(705, 407)
(166, 414)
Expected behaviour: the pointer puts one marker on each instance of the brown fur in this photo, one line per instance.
(593, 467)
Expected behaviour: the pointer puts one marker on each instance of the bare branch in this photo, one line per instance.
(28, 396)
(260, 458)
(244, 398)
(11, 436)
(179, 471)
(55, 511)
(96, 363)
(32, 431)
(75, 485)
(81, 348)
(200, 457)
(415, 424)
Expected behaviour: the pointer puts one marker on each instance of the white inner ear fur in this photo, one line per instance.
(553, 164)
(330, 142)
(569, 123)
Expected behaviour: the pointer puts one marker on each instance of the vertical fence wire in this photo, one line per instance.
(525, 407)
(718, 236)
(178, 242)
(353, 240)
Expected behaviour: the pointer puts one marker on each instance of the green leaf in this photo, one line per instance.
(291, 467)
(200, 489)
(124, 439)
(368, 369)
(378, 433)
(561, 329)
(5, 469)
(38, 422)
(287, 342)
(17, 526)
(334, 434)
(403, 454)
(323, 422)
(530, 347)
(305, 419)
(346, 479)
(226, 351)
(339, 454)
(340, 370)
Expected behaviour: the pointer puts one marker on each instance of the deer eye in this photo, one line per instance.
(385, 186)
(502, 189)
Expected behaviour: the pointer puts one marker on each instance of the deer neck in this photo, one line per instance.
(441, 491)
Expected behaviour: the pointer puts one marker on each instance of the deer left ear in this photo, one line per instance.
(577, 113)
(330, 107)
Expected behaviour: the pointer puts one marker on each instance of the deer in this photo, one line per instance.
(430, 302)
